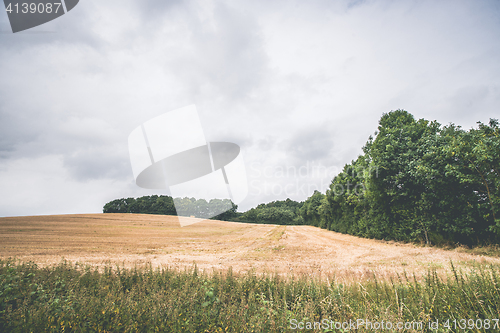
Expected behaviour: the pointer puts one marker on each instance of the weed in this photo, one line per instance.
(73, 298)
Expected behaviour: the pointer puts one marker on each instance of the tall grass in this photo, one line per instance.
(71, 298)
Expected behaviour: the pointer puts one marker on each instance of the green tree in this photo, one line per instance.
(310, 210)
(476, 156)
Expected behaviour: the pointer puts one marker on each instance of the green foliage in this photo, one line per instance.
(230, 208)
(477, 165)
(87, 299)
(418, 181)
(310, 210)
(203, 209)
(153, 204)
(285, 212)
(118, 206)
(167, 205)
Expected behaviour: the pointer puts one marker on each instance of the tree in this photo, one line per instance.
(477, 158)
(420, 181)
(310, 210)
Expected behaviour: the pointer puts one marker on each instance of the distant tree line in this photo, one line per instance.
(276, 212)
(166, 205)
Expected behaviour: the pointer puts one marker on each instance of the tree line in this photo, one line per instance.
(166, 205)
(415, 181)
(284, 212)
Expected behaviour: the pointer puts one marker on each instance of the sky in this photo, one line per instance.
(298, 85)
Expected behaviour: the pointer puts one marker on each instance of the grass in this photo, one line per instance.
(72, 298)
(486, 250)
(489, 250)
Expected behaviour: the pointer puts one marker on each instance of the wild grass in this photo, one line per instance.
(71, 298)
(484, 250)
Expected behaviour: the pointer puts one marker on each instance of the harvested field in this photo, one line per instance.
(129, 239)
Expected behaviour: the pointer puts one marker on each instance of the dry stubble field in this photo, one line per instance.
(136, 239)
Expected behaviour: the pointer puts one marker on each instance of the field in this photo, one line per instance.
(129, 240)
(136, 273)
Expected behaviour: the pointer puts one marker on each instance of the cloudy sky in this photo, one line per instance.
(299, 85)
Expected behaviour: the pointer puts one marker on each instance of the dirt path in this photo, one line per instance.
(128, 239)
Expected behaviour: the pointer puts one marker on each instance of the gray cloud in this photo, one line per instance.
(225, 57)
(291, 82)
(311, 144)
(95, 163)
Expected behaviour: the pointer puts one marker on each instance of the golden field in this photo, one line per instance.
(137, 239)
